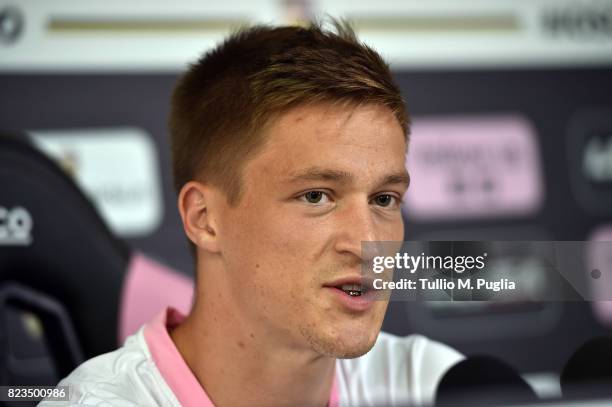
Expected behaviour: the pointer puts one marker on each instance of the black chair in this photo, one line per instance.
(62, 266)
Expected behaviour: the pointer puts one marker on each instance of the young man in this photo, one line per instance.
(288, 151)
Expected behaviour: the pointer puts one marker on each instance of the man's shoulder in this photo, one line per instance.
(398, 369)
(124, 377)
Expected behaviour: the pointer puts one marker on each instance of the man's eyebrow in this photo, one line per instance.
(327, 174)
(320, 174)
(400, 178)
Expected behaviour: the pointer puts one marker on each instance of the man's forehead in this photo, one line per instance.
(320, 128)
(333, 116)
(319, 173)
(338, 144)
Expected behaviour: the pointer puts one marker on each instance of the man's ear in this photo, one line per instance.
(194, 203)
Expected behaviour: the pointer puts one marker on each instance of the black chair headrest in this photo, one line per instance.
(53, 240)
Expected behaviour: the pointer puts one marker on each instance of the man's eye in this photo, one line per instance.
(315, 197)
(384, 200)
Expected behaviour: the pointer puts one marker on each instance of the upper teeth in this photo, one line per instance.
(351, 287)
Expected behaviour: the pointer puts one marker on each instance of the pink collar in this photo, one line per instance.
(173, 368)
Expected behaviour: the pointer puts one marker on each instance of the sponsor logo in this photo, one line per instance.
(15, 226)
(579, 22)
(117, 168)
(473, 167)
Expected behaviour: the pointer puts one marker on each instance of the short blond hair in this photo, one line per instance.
(222, 103)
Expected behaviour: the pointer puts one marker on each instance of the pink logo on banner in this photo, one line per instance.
(472, 167)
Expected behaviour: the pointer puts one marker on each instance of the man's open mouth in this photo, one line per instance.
(354, 293)
(354, 290)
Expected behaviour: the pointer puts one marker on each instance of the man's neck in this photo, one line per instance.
(237, 365)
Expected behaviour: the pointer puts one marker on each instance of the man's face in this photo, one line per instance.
(328, 178)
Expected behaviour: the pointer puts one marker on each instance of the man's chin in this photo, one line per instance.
(344, 345)
(354, 351)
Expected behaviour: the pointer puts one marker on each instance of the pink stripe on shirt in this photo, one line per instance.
(169, 361)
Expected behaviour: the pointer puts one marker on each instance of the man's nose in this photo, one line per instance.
(356, 224)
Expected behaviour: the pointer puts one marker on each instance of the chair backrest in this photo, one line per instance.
(53, 244)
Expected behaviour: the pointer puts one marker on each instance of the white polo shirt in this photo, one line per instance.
(148, 370)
